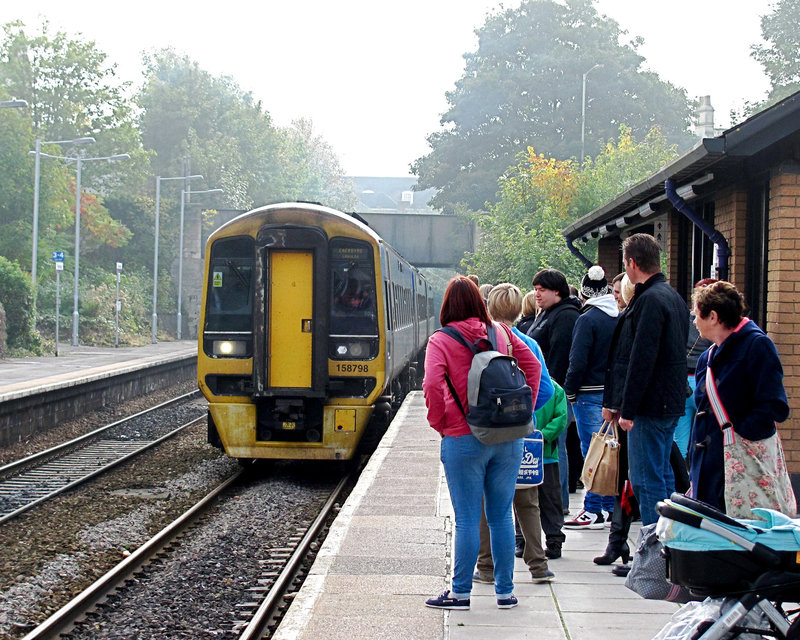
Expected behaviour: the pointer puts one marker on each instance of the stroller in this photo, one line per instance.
(746, 569)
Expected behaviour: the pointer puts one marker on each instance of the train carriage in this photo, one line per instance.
(311, 323)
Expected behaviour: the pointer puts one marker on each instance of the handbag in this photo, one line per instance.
(601, 466)
(648, 574)
(755, 470)
(531, 471)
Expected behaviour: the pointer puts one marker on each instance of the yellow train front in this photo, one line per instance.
(310, 324)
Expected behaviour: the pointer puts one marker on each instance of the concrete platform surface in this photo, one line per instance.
(21, 375)
(390, 549)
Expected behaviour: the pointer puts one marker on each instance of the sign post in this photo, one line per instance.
(58, 259)
(118, 307)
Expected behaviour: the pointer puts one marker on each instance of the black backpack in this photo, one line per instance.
(499, 398)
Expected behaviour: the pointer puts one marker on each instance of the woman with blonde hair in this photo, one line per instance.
(529, 311)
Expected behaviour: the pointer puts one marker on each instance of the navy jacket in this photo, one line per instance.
(552, 329)
(591, 340)
(646, 372)
(749, 380)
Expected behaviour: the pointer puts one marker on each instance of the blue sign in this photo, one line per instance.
(57, 256)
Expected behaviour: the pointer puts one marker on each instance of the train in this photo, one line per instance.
(313, 329)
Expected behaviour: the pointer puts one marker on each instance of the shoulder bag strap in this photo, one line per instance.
(716, 403)
(509, 346)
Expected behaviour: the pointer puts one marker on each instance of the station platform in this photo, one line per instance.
(390, 549)
(73, 365)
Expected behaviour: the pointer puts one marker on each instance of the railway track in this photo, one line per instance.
(30, 481)
(266, 596)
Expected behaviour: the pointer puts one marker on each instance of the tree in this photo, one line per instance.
(539, 196)
(781, 56)
(69, 86)
(230, 138)
(522, 88)
(72, 92)
(16, 298)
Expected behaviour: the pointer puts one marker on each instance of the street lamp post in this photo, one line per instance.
(80, 161)
(36, 173)
(184, 193)
(159, 179)
(583, 110)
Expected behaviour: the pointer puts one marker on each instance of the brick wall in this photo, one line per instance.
(608, 255)
(783, 295)
(672, 247)
(730, 219)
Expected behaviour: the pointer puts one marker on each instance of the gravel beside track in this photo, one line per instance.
(52, 552)
(195, 591)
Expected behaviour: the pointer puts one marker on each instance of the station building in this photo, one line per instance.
(732, 212)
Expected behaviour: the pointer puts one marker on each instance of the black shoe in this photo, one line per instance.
(611, 555)
(622, 570)
(519, 549)
(553, 552)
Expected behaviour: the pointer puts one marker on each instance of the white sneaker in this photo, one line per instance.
(586, 520)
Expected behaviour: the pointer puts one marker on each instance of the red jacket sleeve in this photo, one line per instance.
(433, 384)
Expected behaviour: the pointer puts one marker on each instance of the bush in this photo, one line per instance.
(97, 307)
(16, 297)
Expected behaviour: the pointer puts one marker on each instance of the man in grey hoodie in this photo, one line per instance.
(591, 339)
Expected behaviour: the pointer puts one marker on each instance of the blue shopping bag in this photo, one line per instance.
(531, 471)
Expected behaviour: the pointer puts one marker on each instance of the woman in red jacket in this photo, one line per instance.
(474, 471)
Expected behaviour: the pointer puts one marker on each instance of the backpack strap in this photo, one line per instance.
(458, 337)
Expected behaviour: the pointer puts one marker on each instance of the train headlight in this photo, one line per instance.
(355, 349)
(229, 347)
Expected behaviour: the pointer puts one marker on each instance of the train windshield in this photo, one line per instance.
(229, 304)
(354, 309)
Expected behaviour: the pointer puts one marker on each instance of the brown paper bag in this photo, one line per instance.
(601, 466)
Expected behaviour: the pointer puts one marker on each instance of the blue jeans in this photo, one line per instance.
(478, 471)
(686, 421)
(588, 410)
(649, 446)
(563, 461)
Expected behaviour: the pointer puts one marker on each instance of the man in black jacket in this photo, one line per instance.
(645, 387)
(552, 329)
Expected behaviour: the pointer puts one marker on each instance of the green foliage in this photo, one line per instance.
(67, 82)
(780, 57)
(522, 88)
(97, 306)
(16, 298)
(522, 233)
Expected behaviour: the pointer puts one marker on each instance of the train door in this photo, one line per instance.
(290, 355)
(291, 295)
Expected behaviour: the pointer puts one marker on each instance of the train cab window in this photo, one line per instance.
(229, 303)
(353, 303)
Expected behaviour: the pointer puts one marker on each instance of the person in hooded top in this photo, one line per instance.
(591, 339)
(475, 471)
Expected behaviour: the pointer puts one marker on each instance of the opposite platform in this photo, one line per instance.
(24, 376)
(390, 549)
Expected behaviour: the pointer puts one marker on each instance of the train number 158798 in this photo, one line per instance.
(352, 368)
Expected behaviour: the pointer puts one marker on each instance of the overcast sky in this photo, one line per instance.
(372, 74)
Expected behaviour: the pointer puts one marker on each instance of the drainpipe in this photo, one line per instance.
(723, 250)
(586, 262)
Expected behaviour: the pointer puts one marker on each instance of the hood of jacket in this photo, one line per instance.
(472, 329)
(605, 303)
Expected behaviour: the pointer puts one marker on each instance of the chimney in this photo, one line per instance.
(704, 126)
